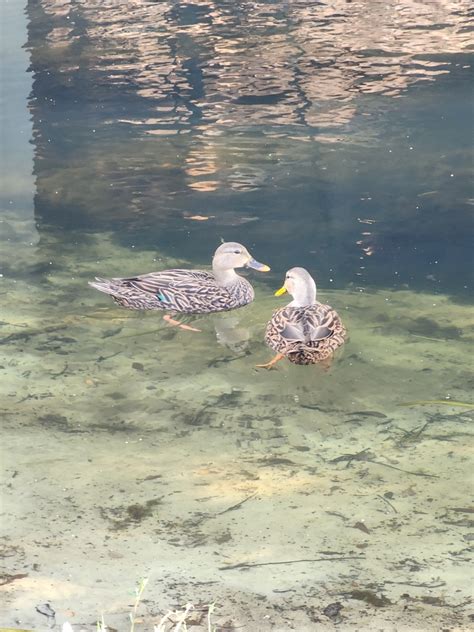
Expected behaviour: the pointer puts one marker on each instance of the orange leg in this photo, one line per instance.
(175, 323)
(273, 361)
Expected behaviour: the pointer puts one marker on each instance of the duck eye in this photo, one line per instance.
(237, 252)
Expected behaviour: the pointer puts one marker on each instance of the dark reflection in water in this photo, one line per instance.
(330, 135)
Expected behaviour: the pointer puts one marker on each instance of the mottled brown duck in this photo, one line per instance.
(188, 291)
(304, 331)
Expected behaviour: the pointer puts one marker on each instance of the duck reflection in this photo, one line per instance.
(230, 333)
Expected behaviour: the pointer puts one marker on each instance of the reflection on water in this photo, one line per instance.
(328, 135)
(308, 117)
(281, 63)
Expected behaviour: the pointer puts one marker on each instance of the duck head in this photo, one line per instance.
(231, 255)
(300, 284)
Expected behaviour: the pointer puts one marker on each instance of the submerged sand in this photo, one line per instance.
(131, 450)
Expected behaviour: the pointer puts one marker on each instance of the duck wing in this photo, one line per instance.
(305, 332)
(179, 290)
(168, 281)
(295, 328)
(304, 324)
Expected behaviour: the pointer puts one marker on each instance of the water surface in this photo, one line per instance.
(335, 136)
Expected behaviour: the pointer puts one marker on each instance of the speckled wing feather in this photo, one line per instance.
(178, 290)
(305, 335)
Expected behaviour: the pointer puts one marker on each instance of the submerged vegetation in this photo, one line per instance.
(296, 498)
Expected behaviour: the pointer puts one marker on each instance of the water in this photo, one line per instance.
(333, 136)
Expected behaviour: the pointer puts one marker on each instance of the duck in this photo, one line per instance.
(188, 291)
(304, 331)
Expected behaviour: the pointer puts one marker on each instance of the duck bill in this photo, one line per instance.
(256, 265)
(281, 291)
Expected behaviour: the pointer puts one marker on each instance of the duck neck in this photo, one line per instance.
(304, 297)
(225, 276)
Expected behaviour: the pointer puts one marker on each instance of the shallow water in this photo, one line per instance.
(333, 136)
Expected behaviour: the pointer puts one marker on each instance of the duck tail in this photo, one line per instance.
(104, 285)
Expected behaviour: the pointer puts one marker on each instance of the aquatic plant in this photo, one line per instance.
(139, 588)
(172, 621)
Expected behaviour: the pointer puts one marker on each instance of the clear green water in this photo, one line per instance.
(333, 136)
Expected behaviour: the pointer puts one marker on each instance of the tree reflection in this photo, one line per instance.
(144, 110)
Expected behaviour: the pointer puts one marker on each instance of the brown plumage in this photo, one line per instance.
(304, 331)
(305, 335)
(188, 291)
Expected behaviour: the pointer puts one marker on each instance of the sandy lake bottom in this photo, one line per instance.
(135, 450)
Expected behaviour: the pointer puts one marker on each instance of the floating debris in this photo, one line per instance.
(199, 218)
(8, 579)
(369, 597)
(46, 610)
(367, 413)
(437, 402)
(333, 610)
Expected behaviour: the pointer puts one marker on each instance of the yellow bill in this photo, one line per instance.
(281, 291)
